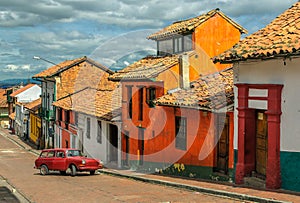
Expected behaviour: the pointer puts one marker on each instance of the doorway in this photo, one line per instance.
(126, 137)
(113, 140)
(261, 139)
(223, 144)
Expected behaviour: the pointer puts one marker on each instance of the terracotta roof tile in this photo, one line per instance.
(21, 90)
(80, 77)
(105, 104)
(148, 67)
(3, 99)
(50, 72)
(34, 105)
(279, 38)
(188, 25)
(210, 92)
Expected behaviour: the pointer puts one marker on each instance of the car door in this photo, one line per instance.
(60, 160)
(50, 159)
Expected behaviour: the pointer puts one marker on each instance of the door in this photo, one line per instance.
(261, 142)
(113, 139)
(126, 137)
(141, 146)
(223, 144)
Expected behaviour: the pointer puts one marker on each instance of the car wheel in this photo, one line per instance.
(44, 170)
(73, 170)
(62, 172)
(92, 172)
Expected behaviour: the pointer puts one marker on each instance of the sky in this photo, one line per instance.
(104, 30)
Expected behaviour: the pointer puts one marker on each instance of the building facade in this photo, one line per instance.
(266, 109)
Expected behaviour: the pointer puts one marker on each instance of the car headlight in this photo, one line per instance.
(83, 161)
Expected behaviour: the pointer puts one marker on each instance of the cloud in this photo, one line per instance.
(15, 68)
(106, 31)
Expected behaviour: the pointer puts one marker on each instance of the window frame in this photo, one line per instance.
(99, 132)
(180, 132)
(88, 127)
(150, 96)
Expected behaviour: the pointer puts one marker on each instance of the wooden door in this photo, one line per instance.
(261, 142)
(126, 150)
(223, 144)
(141, 146)
(113, 139)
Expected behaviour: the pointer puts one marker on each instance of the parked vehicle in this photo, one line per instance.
(63, 159)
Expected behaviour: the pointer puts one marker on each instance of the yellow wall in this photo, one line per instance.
(35, 127)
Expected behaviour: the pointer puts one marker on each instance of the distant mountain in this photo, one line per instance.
(12, 82)
(130, 58)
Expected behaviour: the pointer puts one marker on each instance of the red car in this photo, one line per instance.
(64, 159)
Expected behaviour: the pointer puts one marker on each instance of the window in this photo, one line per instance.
(129, 100)
(177, 44)
(165, 47)
(51, 153)
(88, 128)
(180, 130)
(150, 96)
(141, 102)
(187, 42)
(59, 114)
(67, 119)
(99, 132)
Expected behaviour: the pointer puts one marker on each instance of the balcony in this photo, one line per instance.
(46, 114)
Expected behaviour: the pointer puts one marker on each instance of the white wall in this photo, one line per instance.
(29, 95)
(91, 146)
(275, 72)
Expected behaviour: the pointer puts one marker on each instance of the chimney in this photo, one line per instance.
(184, 71)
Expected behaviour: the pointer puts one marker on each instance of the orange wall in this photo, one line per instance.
(159, 132)
(213, 37)
(210, 39)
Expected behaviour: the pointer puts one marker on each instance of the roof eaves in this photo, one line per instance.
(100, 66)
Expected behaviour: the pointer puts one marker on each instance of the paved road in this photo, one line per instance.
(16, 165)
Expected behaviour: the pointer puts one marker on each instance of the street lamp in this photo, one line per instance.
(40, 58)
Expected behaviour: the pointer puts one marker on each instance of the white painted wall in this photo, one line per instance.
(275, 72)
(91, 146)
(29, 95)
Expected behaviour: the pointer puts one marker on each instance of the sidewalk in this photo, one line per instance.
(229, 190)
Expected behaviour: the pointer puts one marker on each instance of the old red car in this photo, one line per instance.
(65, 159)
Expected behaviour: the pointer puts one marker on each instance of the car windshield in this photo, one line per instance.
(74, 153)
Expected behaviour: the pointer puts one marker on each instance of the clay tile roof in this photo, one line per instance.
(34, 105)
(21, 90)
(3, 99)
(104, 104)
(148, 67)
(52, 71)
(210, 92)
(185, 26)
(279, 38)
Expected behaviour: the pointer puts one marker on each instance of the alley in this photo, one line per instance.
(16, 165)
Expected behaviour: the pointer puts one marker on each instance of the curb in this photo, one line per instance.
(233, 195)
(20, 145)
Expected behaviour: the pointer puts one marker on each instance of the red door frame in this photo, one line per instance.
(246, 132)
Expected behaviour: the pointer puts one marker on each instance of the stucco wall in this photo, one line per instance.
(30, 94)
(90, 145)
(275, 72)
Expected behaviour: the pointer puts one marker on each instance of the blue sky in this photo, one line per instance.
(105, 30)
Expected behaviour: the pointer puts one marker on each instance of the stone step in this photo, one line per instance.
(254, 182)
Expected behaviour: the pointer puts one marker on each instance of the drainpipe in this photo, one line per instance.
(184, 71)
